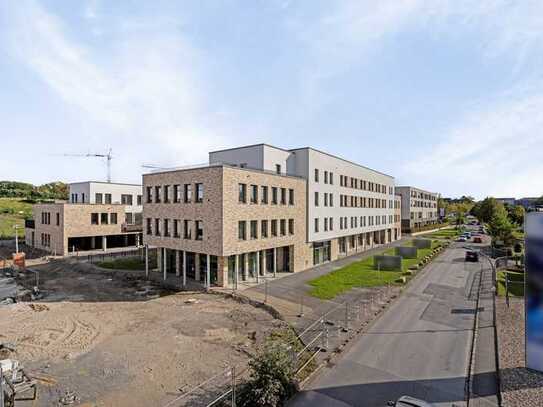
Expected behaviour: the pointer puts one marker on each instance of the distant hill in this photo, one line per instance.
(52, 190)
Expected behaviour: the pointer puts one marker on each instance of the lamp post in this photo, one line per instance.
(16, 238)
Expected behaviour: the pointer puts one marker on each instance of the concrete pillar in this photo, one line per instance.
(208, 271)
(184, 268)
(257, 265)
(137, 240)
(93, 243)
(104, 243)
(197, 266)
(246, 266)
(147, 261)
(159, 259)
(164, 259)
(125, 238)
(274, 262)
(264, 262)
(236, 270)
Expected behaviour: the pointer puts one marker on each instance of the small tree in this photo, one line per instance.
(500, 228)
(272, 376)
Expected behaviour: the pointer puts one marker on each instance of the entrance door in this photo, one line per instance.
(286, 259)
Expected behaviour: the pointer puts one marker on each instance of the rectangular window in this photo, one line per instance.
(274, 195)
(58, 219)
(166, 194)
(331, 178)
(176, 193)
(316, 198)
(149, 226)
(254, 229)
(254, 194)
(264, 228)
(199, 229)
(187, 193)
(326, 224)
(341, 223)
(158, 191)
(242, 193)
(139, 200)
(316, 175)
(331, 196)
(291, 226)
(126, 199)
(277, 168)
(113, 218)
(325, 199)
(316, 225)
(129, 218)
(242, 226)
(283, 196)
(94, 219)
(176, 227)
(264, 195)
(291, 197)
(326, 177)
(187, 232)
(103, 218)
(157, 227)
(108, 199)
(331, 224)
(283, 227)
(98, 198)
(274, 227)
(149, 194)
(199, 187)
(166, 227)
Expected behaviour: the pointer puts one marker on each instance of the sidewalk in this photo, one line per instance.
(311, 316)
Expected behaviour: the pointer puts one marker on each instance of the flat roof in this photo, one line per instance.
(221, 165)
(419, 189)
(342, 159)
(302, 148)
(104, 182)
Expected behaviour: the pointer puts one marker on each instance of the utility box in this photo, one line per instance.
(422, 243)
(387, 263)
(406, 252)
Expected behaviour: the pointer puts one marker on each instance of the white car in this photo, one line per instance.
(407, 401)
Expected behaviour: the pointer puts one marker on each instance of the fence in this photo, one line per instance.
(322, 327)
(108, 256)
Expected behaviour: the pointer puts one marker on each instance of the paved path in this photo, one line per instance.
(419, 347)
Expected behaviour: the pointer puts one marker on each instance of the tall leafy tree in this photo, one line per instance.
(500, 227)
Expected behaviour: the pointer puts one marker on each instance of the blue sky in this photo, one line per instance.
(444, 95)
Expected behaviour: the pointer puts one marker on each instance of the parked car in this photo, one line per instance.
(472, 256)
(462, 239)
(408, 401)
(477, 239)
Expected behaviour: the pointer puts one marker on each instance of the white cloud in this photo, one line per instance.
(142, 91)
(494, 150)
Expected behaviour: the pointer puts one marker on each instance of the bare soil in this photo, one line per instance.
(116, 340)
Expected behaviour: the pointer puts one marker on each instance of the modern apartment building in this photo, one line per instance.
(419, 207)
(258, 209)
(220, 224)
(98, 216)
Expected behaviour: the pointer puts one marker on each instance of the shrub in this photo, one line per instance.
(272, 376)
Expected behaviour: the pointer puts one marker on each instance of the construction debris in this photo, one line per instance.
(38, 307)
(69, 398)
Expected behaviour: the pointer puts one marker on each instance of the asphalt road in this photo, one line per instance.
(419, 347)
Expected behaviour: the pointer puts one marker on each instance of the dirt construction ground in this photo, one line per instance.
(114, 340)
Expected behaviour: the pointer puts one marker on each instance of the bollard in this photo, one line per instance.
(301, 314)
(346, 317)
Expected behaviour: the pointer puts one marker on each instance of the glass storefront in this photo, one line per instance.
(321, 252)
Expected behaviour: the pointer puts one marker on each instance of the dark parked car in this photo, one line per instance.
(472, 256)
(477, 239)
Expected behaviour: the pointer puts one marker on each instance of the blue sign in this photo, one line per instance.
(533, 290)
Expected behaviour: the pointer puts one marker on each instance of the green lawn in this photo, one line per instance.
(516, 286)
(360, 274)
(13, 211)
(128, 263)
(444, 234)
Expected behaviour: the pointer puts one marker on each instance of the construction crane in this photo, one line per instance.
(107, 156)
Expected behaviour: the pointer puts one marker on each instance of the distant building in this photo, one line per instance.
(507, 201)
(528, 203)
(98, 216)
(419, 208)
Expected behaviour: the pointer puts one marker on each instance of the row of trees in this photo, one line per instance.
(502, 219)
(23, 190)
